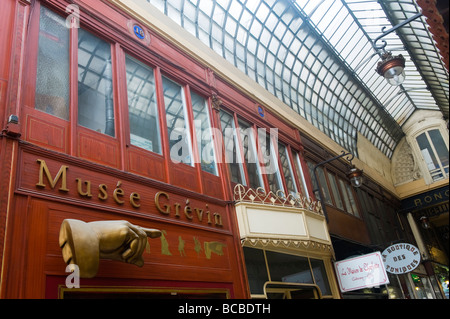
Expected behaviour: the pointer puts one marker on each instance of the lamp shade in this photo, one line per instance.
(392, 68)
(395, 75)
(356, 177)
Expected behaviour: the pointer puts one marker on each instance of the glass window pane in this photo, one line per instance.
(287, 169)
(288, 268)
(324, 186)
(429, 157)
(142, 108)
(272, 172)
(320, 276)
(256, 269)
(313, 178)
(299, 171)
(177, 125)
(204, 134)
(232, 153)
(335, 191)
(52, 79)
(351, 197)
(250, 155)
(95, 89)
(348, 206)
(440, 147)
(427, 152)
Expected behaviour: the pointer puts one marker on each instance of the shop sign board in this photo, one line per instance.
(360, 272)
(401, 258)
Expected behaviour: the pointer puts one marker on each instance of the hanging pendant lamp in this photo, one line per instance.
(392, 68)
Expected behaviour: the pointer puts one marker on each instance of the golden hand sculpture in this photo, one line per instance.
(84, 244)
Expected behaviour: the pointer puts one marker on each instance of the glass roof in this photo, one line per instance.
(317, 57)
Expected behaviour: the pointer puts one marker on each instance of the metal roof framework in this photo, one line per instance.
(317, 57)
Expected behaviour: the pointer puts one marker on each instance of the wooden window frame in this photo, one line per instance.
(68, 137)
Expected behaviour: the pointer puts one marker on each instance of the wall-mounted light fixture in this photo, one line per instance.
(13, 119)
(425, 222)
(355, 175)
(391, 67)
(12, 128)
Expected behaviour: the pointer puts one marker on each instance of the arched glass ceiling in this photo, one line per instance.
(316, 56)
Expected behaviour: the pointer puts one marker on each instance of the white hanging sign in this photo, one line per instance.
(401, 258)
(360, 272)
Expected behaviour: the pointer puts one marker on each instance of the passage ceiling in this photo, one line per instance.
(317, 57)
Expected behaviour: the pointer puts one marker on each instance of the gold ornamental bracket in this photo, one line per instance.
(84, 244)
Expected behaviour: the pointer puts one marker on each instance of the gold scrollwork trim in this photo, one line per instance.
(287, 243)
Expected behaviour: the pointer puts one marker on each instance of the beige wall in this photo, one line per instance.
(420, 180)
(375, 163)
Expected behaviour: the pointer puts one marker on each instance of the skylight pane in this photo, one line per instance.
(274, 43)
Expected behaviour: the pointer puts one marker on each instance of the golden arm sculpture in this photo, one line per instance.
(84, 244)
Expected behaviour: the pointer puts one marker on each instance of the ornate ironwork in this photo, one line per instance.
(385, 33)
(260, 196)
(287, 243)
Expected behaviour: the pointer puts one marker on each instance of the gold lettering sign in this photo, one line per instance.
(120, 196)
(62, 173)
(164, 207)
(431, 198)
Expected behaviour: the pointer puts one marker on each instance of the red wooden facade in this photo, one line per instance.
(199, 253)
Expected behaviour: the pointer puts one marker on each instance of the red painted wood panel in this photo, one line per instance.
(98, 148)
(7, 16)
(185, 176)
(49, 132)
(182, 255)
(212, 185)
(146, 164)
(191, 250)
(3, 91)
